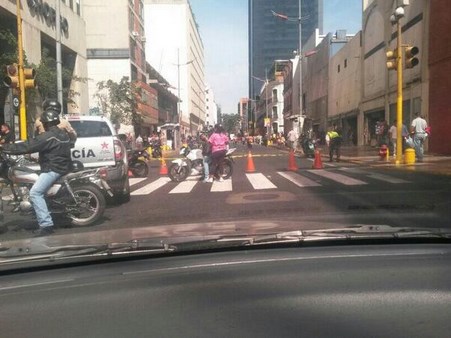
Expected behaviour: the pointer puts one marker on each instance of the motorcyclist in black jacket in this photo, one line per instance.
(55, 160)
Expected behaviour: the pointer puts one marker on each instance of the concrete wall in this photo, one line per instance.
(379, 84)
(440, 79)
(344, 85)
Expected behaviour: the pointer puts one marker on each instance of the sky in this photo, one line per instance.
(223, 26)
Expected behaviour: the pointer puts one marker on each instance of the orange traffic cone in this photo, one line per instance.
(317, 163)
(163, 167)
(250, 163)
(292, 166)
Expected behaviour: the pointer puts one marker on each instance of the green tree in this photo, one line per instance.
(45, 71)
(231, 123)
(119, 100)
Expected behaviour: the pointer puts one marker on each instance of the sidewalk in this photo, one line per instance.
(432, 163)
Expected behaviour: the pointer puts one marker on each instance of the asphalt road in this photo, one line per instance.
(344, 193)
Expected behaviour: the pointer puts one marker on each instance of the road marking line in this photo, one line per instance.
(134, 180)
(388, 179)
(300, 181)
(346, 180)
(259, 181)
(183, 187)
(222, 186)
(147, 189)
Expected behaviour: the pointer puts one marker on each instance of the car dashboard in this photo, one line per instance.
(397, 290)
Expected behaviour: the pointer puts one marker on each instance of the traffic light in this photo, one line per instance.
(392, 63)
(29, 74)
(11, 79)
(410, 59)
(12, 76)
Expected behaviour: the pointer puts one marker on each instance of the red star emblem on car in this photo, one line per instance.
(104, 145)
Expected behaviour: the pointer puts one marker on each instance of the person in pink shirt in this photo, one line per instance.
(219, 142)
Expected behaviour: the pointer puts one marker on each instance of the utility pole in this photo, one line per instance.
(59, 72)
(22, 108)
(394, 62)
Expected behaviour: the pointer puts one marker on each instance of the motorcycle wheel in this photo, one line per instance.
(90, 206)
(227, 169)
(178, 173)
(139, 168)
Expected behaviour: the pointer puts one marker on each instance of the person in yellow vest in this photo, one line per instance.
(333, 140)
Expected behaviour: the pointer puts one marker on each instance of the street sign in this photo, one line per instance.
(267, 121)
(16, 102)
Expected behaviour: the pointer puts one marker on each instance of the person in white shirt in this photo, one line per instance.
(292, 138)
(418, 129)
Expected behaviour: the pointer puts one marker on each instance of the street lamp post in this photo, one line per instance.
(178, 64)
(266, 82)
(395, 18)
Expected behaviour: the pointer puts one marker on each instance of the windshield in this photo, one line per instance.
(236, 118)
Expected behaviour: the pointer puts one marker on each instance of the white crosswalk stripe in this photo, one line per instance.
(259, 181)
(135, 180)
(184, 187)
(299, 180)
(222, 186)
(151, 187)
(343, 179)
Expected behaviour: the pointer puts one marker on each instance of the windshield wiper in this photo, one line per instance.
(39, 251)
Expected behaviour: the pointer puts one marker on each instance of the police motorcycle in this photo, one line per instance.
(78, 197)
(191, 164)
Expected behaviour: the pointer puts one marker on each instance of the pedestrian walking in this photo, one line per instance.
(333, 140)
(219, 142)
(292, 138)
(418, 130)
(206, 153)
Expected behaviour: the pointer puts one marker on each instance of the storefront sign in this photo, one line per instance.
(43, 10)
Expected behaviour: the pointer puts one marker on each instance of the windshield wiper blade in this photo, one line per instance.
(39, 251)
(366, 231)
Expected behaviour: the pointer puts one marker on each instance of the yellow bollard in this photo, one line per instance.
(409, 156)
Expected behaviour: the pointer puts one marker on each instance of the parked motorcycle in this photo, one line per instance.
(138, 163)
(192, 164)
(77, 196)
(154, 148)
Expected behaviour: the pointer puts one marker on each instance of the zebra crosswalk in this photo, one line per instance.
(260, 181)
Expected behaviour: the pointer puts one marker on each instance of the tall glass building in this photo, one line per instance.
(272, 38)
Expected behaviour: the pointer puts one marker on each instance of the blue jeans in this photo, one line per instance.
(207, 161)
(37, 193)
(418, 140)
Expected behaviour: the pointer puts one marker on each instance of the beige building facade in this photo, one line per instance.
(39, 32)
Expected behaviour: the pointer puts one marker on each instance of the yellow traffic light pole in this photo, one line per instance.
(22, 111)
(399, 98)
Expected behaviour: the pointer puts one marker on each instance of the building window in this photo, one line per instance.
(77, 3)
(71, 4)
(346, 63)
(274, 113)
(274, 95)
(338, 68)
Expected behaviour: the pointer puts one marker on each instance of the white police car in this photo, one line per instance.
(98, 145)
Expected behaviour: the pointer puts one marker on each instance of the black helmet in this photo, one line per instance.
(50, 115)
(51, 103)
